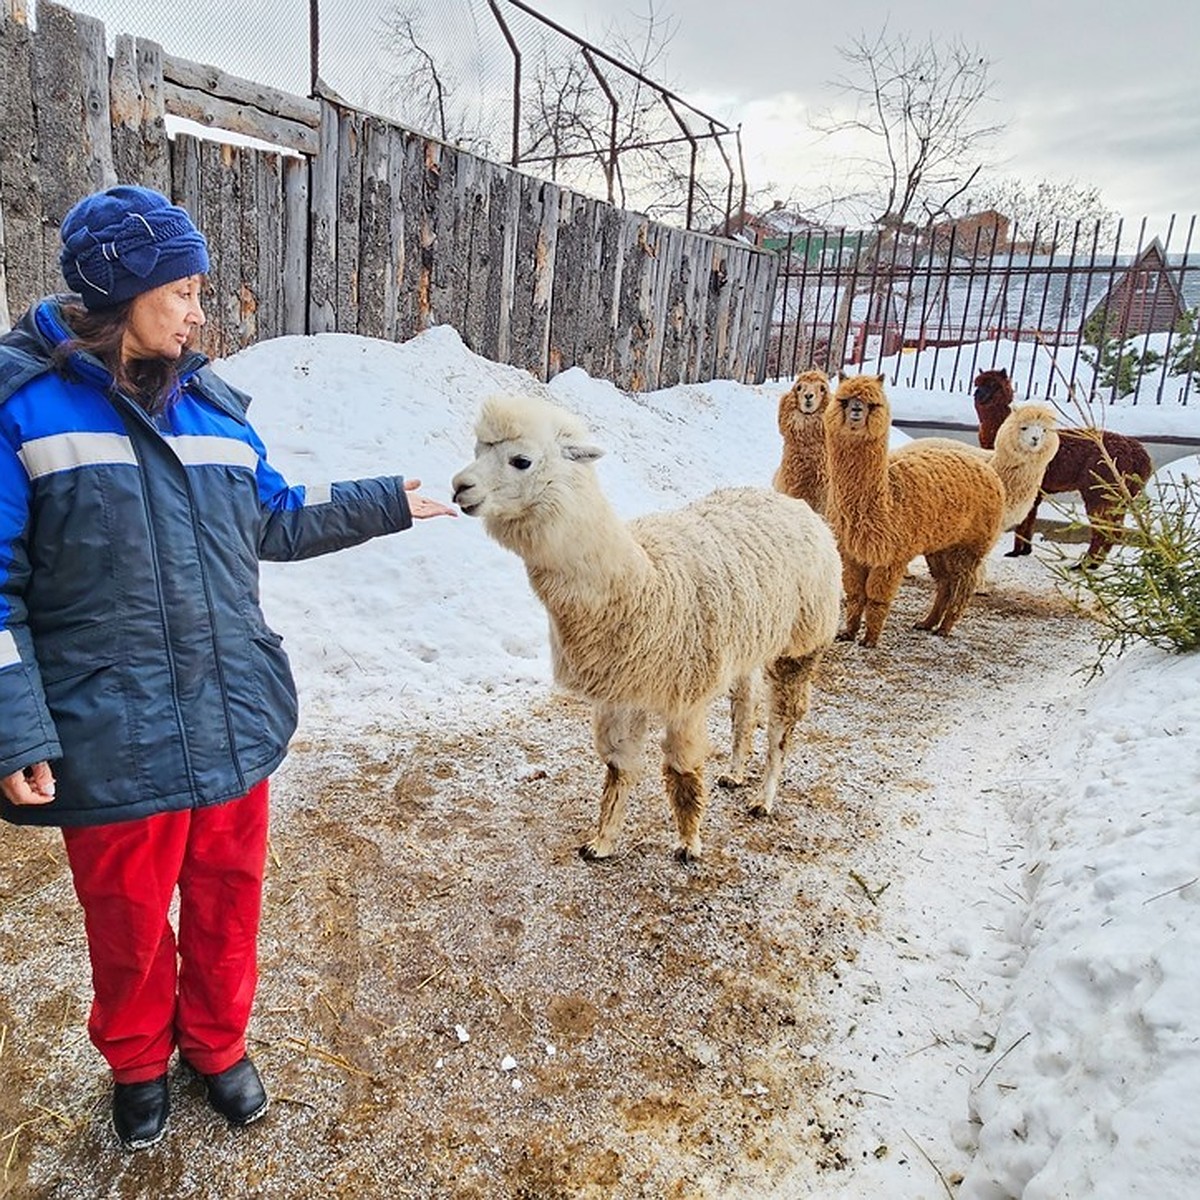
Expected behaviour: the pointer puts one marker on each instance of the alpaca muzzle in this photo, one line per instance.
(461, 498)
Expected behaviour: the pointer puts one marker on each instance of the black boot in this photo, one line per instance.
(237, 1093)
(140, 1111)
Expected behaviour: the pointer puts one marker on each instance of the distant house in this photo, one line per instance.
(977, 235)
(1144, 299)
(807, 323)
(792, 233)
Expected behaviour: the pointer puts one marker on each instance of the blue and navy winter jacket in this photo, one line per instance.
(133, 651)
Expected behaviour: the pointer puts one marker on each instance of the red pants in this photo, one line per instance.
(125, 877)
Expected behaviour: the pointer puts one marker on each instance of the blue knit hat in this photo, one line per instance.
(125, 241)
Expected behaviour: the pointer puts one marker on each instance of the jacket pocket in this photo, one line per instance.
(99, 764)
(262, 698)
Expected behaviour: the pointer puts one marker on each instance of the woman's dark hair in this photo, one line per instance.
(150, 382)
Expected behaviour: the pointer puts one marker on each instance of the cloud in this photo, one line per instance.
(1136, 143)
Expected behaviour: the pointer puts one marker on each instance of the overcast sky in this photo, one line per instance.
(1102, 94)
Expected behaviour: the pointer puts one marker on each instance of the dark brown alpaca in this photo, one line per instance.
(1081, 465)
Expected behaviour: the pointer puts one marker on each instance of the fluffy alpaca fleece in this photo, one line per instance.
(1084, 462)
(886, 510)
(1025, 442)
(657, 616)
(803, 471)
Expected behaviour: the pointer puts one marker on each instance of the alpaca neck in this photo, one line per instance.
(858, 480)
(576, 552)
(989, 427)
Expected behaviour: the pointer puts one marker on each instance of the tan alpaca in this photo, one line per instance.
(885, 510)
(1025, 443)
(803, 472)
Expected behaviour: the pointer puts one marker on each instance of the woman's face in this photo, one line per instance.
(161, 321)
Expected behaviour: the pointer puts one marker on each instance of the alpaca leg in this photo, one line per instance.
(957, 573)
(1106, 518)
(1106, 504)
(1023, 533)
(942, 600)
(961, 587)
(983, 585)
(619, 734)
(791, 688)
(743, 712)
(882, 585)
(685, 746)
(854, 584)
(940, 573)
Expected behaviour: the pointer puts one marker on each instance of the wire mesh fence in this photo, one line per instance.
(263, 40)
(495, 77)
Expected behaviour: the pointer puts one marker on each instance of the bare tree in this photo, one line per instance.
(587, 114)
(584, 112)
(562, 122)
(917, 112)
(422, 85)
(1041, 208)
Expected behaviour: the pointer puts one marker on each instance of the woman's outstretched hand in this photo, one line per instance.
(34, 785)
(422, 507)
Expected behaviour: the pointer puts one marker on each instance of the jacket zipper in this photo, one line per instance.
(142, 416)
(162, 601)
(216, 655)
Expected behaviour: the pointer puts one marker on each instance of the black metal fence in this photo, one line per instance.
(1066, 310)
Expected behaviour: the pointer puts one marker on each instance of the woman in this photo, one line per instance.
(144, 700)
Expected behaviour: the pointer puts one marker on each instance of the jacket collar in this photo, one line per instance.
(27, 351)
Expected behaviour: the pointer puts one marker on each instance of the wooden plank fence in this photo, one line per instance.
(355, 224)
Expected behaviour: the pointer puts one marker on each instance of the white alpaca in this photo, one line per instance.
(1025, 443)
(659, 615)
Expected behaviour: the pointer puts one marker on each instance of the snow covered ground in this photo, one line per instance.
(1087, 1083)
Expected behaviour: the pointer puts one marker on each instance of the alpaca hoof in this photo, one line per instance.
(846, 635)
(870, 643)
(730, 781)
(589, 853)
(685, 855)
(759, 810)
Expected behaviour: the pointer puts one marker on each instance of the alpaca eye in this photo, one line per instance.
(520, 462)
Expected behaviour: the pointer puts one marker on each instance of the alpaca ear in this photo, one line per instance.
(582, 453)
(1003, 372)
(880, 378)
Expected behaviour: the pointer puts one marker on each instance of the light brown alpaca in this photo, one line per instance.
(885, 510)
(1107, 468)
(1025, 443)
(803, 472)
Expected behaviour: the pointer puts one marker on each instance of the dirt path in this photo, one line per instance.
(453, 1004)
